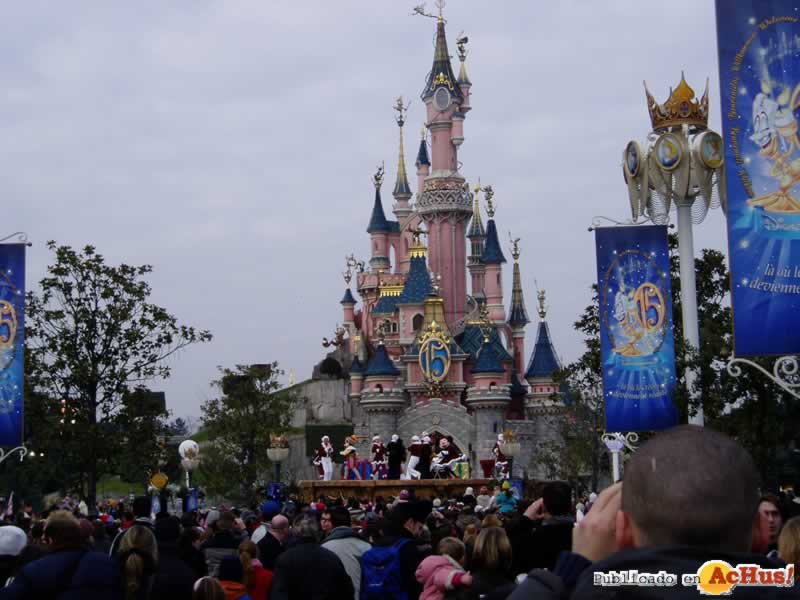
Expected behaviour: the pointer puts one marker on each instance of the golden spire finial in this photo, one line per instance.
(401, 186)
(291, 377)
(542, 309)
(440, 5)
(348, 275)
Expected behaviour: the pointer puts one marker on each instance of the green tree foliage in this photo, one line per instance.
(239, 424)
(92, 338)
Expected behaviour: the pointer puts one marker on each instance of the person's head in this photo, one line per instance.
(492, 551)
(138, 557)
(326, 522)
(62, 531)
(87, 532)
(689, 486)
(452, 547)
(306, 528)
(340, 517)
(226, 521)
(208, 588)
(789, 543)
(141, 507)
(557, 498)
(491, 520)
(470, 532)
(230, 569)
(409, 516)
(12, 541)
(168, 529)
(248, 552)
(279, 528)
(484, 491)
(770, 514)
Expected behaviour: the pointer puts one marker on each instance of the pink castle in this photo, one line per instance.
(439, 243)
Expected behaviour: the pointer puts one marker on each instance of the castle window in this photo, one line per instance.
(417, 322)
(394, 327)
(379, 388)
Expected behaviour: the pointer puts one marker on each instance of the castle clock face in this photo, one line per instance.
(441, 99)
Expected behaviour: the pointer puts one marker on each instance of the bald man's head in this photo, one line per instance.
(279, 527)
(692, 486)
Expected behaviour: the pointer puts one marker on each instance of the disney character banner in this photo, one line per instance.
(636, 343)
(759, 65)
(12, 311)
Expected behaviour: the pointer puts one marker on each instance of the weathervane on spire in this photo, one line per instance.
(415, 235)
(461, 44)
(401, 111)
(353, 263)
(514, 246)
(419, 9)
(542, 309)
(348, 275)
(377, 179)
(489, 193)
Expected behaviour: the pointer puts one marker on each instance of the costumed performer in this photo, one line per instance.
(323, 459)
(350, 458)
(378, 458)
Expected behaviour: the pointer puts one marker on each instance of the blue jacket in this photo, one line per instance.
(67, 575)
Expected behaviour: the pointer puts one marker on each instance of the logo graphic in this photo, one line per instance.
(434, 354)
(719, 578)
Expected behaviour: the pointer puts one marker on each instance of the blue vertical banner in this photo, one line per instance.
(12, 336)
(759, 65)
(636, 341)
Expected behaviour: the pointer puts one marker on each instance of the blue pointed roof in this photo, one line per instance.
(381, 364)
(378, 222)
(418, 283)
(518, 315)
(355, 366)
(471, 340)
(488, 361)
(492, 254)
(441, 74)
(386, 305)
(348, 297)
(544, 360)
(422, 155)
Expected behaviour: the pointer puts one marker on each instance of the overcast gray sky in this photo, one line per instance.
(230, 144)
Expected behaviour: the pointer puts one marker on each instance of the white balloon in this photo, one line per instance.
(188, 449)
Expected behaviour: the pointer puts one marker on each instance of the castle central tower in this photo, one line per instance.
(445, 203)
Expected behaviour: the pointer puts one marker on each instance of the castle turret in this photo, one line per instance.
(446, 202)
(543, 363)
(379, 229)
(517, 313)
(477, 237)
(493, 260)
(402, 194)
(382, 396)
(348, 315)
(489, 397)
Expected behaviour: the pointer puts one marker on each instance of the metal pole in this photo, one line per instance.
(277, 472)
(691, 328)
(615, 465)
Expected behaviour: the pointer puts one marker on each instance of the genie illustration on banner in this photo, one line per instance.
(638, 351)
(12, 300)
(759, 61)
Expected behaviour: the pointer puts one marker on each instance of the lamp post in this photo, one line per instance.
(277, 456)
(189, 451)
(682, 165)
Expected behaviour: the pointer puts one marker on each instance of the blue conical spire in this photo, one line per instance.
(488, 361)
(378, 222)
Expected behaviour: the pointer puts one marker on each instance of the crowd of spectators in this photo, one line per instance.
(689, 495)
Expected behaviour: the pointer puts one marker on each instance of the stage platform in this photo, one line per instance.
(422, 488)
